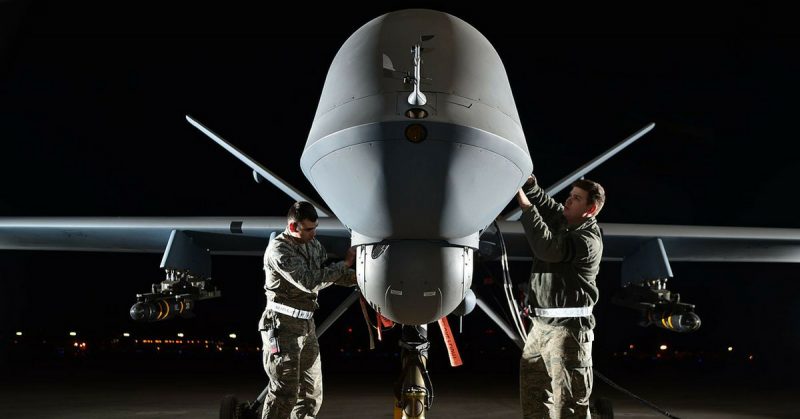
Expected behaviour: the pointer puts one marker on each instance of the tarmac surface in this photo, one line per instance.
(179, 389)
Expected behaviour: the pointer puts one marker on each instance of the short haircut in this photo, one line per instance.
(597, 195)
(301, 210)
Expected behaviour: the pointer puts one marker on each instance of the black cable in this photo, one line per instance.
(645, 402)
(503, 308)
(507, 285)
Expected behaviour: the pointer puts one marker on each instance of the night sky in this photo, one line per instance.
(93, 98)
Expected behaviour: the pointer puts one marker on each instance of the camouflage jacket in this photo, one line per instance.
(566, 259)
(295, 272)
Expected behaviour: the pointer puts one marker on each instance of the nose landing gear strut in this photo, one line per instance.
(414, 390)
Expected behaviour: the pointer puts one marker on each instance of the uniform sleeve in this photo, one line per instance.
(547, 206)
(544, 244)
(348, 279)
(293, 267)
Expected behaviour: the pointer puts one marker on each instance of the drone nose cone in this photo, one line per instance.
(439, 162)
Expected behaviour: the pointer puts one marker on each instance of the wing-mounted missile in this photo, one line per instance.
(416, 179)
(644, 288)
(188, 269)
(659, 306)
(158, 305)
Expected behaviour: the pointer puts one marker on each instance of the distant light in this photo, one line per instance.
(232, 336)
(126, 334)
(750, 357)
(663, 347)
(19, 333)
(180, 335)
(73, 333)
(631, 346)
(730, 348)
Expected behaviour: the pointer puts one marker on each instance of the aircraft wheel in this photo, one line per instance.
(603, 408)
(230, 408)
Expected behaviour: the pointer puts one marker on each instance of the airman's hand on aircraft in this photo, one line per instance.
(523, 200)
(350, 257)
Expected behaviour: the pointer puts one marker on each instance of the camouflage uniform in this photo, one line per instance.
(556, 367)
(295, 273)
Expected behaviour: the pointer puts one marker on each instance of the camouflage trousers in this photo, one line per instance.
(556, 373)
(294, 371)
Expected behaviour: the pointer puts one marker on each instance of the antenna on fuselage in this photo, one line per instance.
(417, 98)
